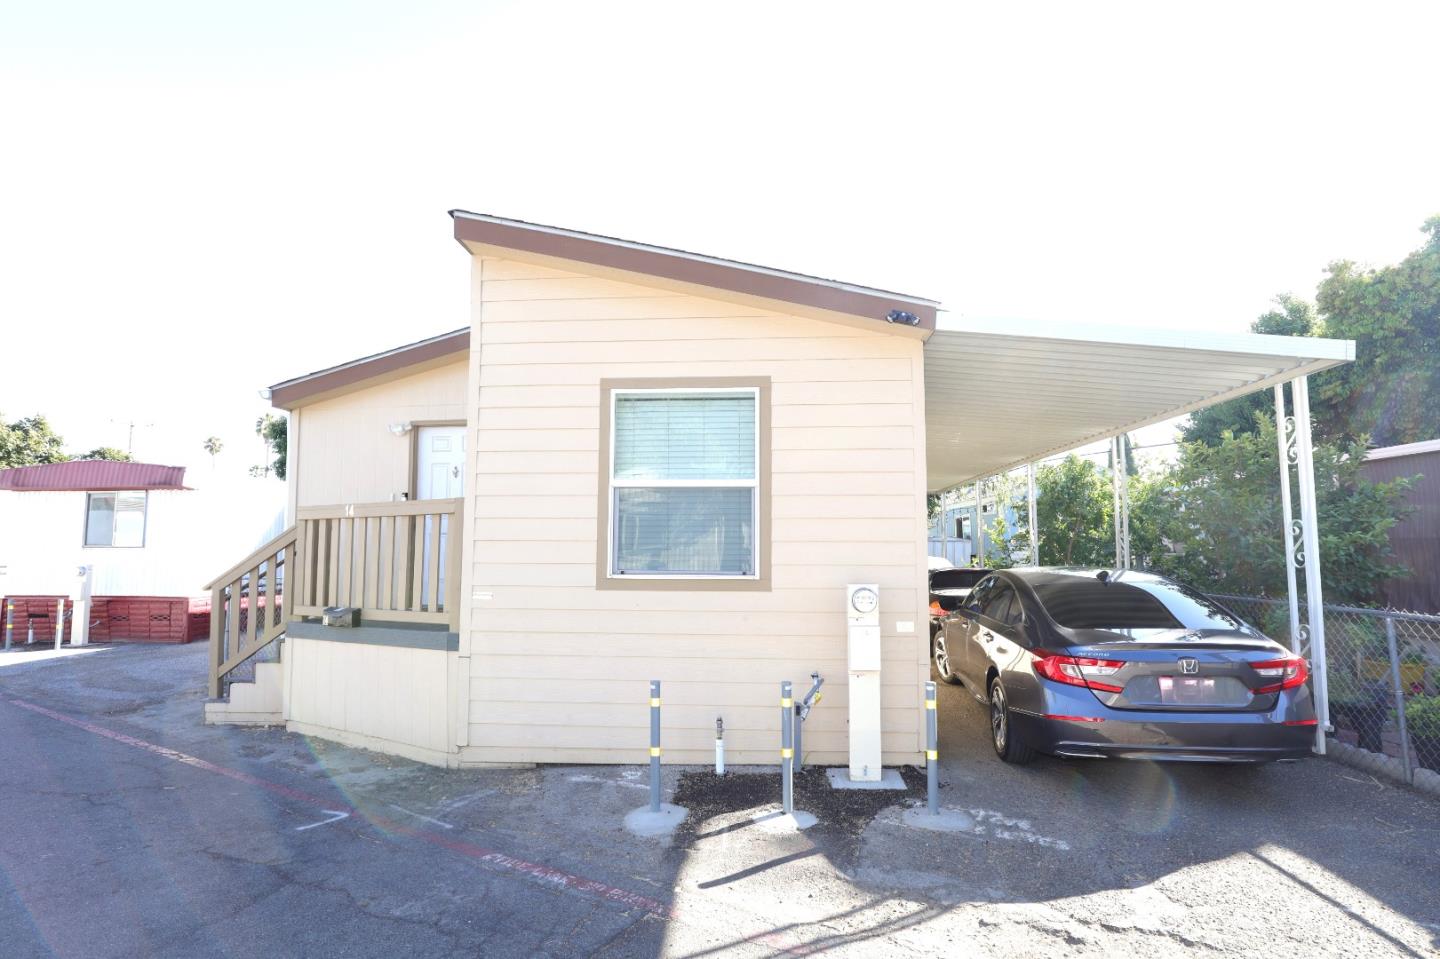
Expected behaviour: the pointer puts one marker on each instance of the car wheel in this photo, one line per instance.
(941, 660)
(1009, 746)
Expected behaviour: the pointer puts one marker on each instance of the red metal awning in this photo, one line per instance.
(92, 476)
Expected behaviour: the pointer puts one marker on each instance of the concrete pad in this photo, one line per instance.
(840, 779)
(775, 822)
(651, 825)
(946, 820)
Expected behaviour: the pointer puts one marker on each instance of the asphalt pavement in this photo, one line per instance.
(128, 829)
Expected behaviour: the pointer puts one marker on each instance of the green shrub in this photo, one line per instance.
(1422, 716)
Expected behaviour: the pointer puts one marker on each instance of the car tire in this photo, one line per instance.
(940, 660)
(1009, 745)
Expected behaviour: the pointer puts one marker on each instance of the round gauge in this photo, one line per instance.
(864, 600)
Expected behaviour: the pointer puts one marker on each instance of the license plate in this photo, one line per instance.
(1186, 691)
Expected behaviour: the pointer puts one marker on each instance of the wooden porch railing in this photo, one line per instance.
(247, 606)
(395, 562)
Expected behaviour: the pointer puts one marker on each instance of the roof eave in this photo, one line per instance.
(779, 290)
(369, 370)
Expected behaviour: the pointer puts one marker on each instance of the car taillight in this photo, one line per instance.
(936, 609)
(1291, 671)
(1077, 670)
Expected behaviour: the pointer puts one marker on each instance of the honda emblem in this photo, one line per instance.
(1189, 665)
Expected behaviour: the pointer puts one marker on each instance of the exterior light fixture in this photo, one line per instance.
(903, 318)
(400, 429)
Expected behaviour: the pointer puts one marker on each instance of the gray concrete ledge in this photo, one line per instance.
(417, 636)
(840, 779)
(1426, 780)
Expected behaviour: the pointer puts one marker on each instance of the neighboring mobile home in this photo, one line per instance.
(1416, 538)
(145, 534)
(637, 463)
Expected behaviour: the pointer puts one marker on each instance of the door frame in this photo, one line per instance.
(415, 425)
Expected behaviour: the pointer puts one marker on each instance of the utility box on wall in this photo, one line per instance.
(862, 639)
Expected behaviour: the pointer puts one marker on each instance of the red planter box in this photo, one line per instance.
(149, 619)
(131, 619)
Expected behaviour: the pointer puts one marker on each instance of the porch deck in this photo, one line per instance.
(397, 563)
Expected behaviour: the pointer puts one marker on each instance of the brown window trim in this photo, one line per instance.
(761, 583)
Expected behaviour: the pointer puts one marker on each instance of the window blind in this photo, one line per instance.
(667, 517)
(685, 437)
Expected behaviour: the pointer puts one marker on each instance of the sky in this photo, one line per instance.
(201, 199)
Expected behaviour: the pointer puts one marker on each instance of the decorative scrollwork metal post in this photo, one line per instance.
(1310, 550)
(1292, 530)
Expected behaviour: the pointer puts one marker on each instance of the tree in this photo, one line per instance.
(29, 441)
(273, 432)
(1222, 513)
(1074, 507)
(213, 446)
(1007, 545)
(1292, 317)
(1386, 396)
(107, 453)
(1393, 315)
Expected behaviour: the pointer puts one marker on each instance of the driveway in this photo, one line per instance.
(131, 830)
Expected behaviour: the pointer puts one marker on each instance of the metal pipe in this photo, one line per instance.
(1399, 699)
(799, 725)
(59, 622)
(719, 746)
(1284, 436)
(9, 622)
(802, 711)
(654, 745)
(787, 749)
(932, 752)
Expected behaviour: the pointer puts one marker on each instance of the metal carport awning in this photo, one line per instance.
(1003, 393)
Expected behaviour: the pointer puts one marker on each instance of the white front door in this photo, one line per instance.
(439, 474)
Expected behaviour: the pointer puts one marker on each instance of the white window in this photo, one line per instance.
(115, 519)
(684, 487)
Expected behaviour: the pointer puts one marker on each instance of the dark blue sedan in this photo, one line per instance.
(1099, 663)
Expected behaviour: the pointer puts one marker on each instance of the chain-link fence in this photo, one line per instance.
(1383, 672)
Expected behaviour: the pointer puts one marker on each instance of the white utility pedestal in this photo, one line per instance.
(80, 612)
(862, 619)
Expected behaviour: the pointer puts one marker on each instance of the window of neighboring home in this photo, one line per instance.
(683, 494)
(115, 519)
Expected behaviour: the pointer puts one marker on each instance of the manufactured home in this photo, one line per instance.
(636, 463)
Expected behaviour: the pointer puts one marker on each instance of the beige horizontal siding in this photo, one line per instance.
(559, 670)
(346, 452)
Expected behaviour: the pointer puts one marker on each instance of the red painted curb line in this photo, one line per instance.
(491, 857)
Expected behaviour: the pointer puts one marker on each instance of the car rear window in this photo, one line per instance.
(957, 578)
(1083, 602)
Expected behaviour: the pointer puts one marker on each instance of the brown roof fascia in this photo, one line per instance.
(690, 268)
(379, 367)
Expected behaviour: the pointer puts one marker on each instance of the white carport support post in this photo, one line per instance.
(1030, 507)
(978, 533)
(1121, 489)
(1309, 557)
(1285, 440)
